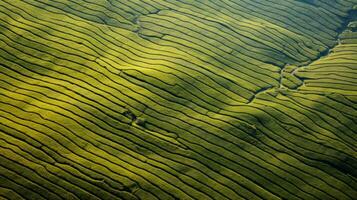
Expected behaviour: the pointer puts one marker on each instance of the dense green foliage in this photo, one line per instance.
(178, 99)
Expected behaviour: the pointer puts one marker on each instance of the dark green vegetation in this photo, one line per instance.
(178, 99)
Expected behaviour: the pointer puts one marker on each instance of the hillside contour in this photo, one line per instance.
(178, 99)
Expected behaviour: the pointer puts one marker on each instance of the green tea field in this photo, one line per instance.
(178, 99)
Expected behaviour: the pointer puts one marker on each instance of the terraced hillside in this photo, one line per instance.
(178, 99)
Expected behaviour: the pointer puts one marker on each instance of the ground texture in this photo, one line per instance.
(178, 99)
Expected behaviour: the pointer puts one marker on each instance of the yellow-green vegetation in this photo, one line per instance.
(178, 99)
